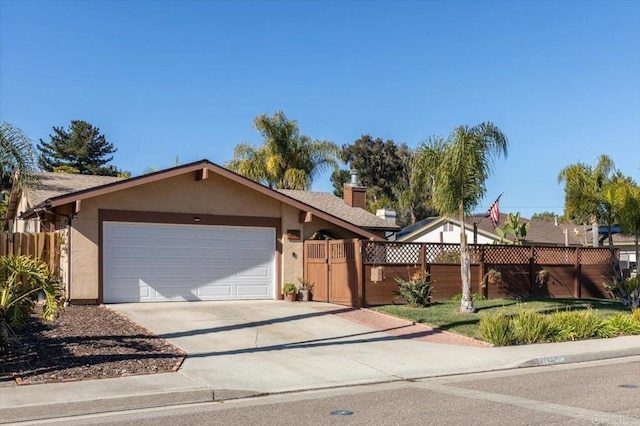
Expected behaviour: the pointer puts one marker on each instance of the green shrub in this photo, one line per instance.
(627, 291)
(416, 291)
(635, 314)
(620, 325)
(588, 324)
(563, 326)
(496, 329)
(531, 327)
(447, 257)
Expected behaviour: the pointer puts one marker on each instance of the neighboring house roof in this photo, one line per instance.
(47, 185)
(50, 185)
(337, 207)
(540, 232)
(56, 193)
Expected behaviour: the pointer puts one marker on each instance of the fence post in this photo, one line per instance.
(577, 288)
(357, 247)
(532, 261)
(483, 271)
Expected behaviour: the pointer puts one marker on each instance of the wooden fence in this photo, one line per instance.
(44, 246)
(572, 271)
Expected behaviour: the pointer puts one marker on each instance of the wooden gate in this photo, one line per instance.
(333, 269)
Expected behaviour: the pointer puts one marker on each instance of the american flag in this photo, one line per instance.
(494, 212)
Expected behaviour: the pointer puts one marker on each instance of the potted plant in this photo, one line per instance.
(542, 277)
(305, 290)
(493, 276)
(289, 291)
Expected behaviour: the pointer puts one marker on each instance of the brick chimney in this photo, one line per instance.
(354, 192)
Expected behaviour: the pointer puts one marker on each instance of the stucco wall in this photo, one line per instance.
(182, 194)
(293, 250)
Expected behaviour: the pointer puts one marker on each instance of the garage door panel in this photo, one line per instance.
(159, 262)
(252, 289)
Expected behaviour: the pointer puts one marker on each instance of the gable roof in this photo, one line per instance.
(57, 194)
(337, 207)
(540, 232)
(47, 185)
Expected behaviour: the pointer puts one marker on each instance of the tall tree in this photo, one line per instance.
(548, 216)
(81, 147)
(380, 164)
(286, 159)
(385, 169)
(589, 198)
(16, 155)
(458, 168)
(630, 215)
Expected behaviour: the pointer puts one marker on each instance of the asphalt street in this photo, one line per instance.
(599, 392)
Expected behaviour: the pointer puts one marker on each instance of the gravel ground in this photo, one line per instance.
(85, 342)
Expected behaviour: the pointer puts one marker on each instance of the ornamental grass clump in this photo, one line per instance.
(562, 324)
(626, 290)
(620, 325)
(416, 291)
(497, 329)
(587, 324)
(531, 327)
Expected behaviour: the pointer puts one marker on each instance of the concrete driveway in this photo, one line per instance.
(269, 346)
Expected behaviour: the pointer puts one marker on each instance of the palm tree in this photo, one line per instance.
(286, 159)
(23, 278)
(625, 194)
(590, 196)
(457, 169)
(16, 155)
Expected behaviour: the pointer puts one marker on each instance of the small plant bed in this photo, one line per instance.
(447, 316)
(85, 342)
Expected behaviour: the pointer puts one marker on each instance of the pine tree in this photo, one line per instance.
(81, 147)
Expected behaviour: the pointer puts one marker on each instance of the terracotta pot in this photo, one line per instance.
(290, 297)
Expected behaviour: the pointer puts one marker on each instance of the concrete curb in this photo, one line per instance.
(192, 396)
(103, 405)
(577, 358)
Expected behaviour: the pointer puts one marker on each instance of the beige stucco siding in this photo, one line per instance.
(292, 250)
(181, 194)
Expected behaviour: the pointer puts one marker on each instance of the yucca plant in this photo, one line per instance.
(626, 290)
(21, 279)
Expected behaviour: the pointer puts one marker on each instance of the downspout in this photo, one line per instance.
(67, 284)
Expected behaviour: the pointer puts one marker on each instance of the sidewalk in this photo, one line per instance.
(363, 355)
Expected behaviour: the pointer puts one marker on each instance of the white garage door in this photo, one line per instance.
(145, 262)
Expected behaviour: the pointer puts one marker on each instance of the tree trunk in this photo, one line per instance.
(617, 273)
(466, 303)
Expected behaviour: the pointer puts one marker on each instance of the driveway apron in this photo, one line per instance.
(268, 346)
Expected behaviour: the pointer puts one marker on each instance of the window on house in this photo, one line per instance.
(447, 227)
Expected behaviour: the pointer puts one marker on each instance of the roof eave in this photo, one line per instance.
(192, 167)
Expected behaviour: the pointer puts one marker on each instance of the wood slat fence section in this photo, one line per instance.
(573, 271)
(45, 246)
(362, 273)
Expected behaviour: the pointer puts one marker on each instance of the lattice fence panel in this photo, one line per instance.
(595, 256)
(507, 254)
(442, 253)
(554, 255)
(391, 253)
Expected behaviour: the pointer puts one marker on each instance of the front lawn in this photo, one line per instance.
(447, 316)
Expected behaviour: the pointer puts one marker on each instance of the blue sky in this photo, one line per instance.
(167, 79)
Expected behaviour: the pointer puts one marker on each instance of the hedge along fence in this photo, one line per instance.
(45, 246)
(571, 271)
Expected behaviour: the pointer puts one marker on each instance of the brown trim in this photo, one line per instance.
(188, 219)
(198, 167)
(83, 302)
